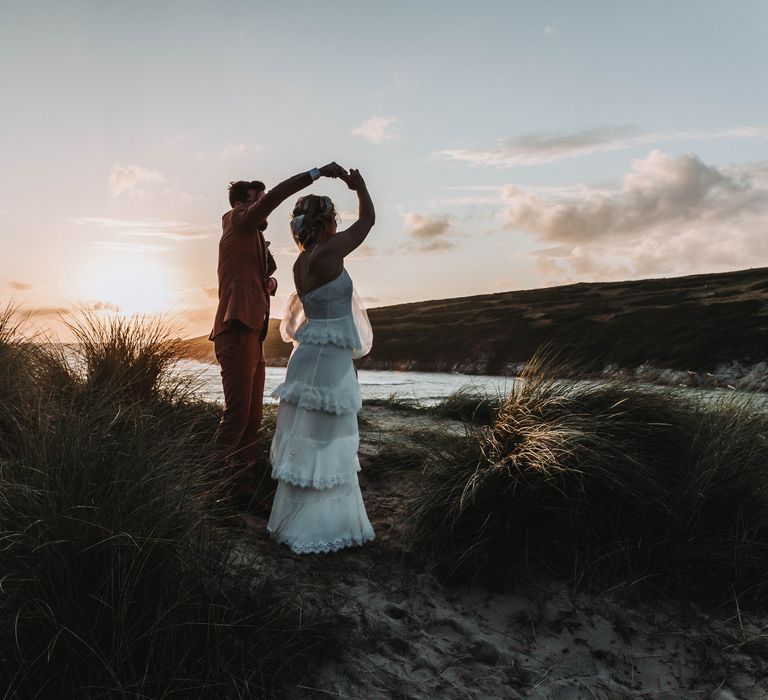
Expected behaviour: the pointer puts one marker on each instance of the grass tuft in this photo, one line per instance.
(133, 357)
(395, 402)
(120, 576)
(468, 404)
(605, 484)
(391, 460)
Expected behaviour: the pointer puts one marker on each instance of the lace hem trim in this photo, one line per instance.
(330, 546)
(319, 332)
(314, 399)
(326, 482)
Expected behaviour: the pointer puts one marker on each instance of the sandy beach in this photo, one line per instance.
(411, 636)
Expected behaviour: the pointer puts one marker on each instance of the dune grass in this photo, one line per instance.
(394, 402)
(391, 460)
(120, 578)
(133, 354)
(468, 404)
(605, 484)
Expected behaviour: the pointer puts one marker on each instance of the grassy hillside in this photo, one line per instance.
(694, 322)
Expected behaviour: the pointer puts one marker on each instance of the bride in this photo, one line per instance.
(318, 506)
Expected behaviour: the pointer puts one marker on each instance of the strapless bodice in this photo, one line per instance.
(331, 314)
(330, 300)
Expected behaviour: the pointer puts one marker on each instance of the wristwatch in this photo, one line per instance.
(314, 173)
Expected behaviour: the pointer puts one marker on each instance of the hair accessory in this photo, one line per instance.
(327, 205)
(296, 224)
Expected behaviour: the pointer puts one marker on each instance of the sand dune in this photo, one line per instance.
(413, 637)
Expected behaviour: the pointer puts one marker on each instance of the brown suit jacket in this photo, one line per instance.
(244, 266)
(244, 261)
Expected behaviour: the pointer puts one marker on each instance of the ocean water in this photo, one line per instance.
(425, 387)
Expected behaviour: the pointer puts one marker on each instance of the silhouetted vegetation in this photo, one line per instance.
(685, 323)
(469, 405)
(602, 483)
(120, 578)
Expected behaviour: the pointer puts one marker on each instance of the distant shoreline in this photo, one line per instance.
(734, 376)
(700, 330)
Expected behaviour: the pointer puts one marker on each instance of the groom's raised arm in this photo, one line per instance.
(259, 211)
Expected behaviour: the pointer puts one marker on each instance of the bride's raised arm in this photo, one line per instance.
(344, 242)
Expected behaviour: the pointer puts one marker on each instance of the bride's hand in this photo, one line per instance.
(332, 170)
(354, 180)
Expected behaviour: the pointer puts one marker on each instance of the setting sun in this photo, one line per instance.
(132, 284)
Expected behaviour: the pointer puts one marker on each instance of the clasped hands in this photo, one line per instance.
(353, 178)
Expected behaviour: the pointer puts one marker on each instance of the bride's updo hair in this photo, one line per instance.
(311, 216)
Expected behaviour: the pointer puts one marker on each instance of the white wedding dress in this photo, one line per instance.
(318, 506)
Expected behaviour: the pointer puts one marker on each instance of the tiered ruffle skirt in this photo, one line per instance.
(318, 505)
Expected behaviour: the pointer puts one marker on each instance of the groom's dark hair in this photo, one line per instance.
(238, 191)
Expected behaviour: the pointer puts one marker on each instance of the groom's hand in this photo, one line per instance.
(332, 170)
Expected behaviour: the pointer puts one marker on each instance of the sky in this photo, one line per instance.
(506, 144)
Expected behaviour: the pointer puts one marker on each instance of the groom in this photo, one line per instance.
(242, 317)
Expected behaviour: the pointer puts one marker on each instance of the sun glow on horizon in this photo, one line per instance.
(134, 285)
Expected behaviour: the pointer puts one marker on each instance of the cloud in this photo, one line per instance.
(549, 29)
(47, 311)
(101, 306)
(578, 263)
(378, 129)
(153, 228)
(425, 228)
(428, 233)
(659, 190)
(51, 311)
(545, 147)
(126, 247)
(669, 216)
(497, 194)
(3, 212)
(538, 148)
(238, 149)
(739, 132)
(289, 251)
(20, 286)
(364, 252)
(133, 180)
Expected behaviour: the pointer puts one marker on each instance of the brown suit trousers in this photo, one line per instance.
(242, 317)
(240, 354)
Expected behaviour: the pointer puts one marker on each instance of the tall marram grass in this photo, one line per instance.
(134, 355)
(468, 404)
(118, 577)
(604, 484)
